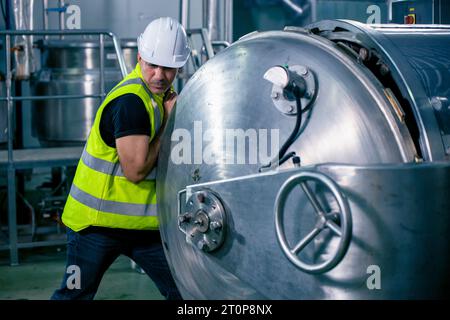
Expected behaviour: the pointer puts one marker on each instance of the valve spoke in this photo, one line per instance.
(304, 242)
(312, 198)
(334, 227)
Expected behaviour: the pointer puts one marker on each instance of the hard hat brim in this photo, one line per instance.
(158, 62)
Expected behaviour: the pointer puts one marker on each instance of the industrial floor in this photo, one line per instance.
(41, 269)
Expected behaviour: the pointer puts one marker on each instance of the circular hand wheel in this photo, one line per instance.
(325, 221)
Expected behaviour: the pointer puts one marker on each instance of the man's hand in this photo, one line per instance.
(169, 102)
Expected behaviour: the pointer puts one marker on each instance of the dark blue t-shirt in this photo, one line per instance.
(124, 116)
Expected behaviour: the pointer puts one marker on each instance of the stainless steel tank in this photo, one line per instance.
(129, 51)
(73, 68)
(358, 212)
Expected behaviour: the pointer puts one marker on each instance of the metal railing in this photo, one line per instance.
(206, 44)
(11, 168)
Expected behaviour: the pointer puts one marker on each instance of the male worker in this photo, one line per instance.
(111, 208)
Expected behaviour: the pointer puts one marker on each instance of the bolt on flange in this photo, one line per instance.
(204, 221)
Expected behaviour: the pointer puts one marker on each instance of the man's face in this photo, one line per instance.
(158, 78)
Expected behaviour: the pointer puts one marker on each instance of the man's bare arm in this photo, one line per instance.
(137, 157)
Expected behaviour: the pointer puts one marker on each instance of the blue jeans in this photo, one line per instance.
(90, 252)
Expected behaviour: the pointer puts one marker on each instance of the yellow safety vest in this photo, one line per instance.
(101, 195)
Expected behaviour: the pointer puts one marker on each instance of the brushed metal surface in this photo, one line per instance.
(418, 58)
(350, 122)
(401, 225)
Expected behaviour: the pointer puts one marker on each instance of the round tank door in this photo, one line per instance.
(231, 120)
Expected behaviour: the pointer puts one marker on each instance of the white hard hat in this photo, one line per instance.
(164, 43)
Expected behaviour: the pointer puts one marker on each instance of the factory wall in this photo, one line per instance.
(125, 18)
(263, 15)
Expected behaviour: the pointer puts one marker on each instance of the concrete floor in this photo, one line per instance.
(41, 269)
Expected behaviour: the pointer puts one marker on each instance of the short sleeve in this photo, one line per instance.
(124, 116)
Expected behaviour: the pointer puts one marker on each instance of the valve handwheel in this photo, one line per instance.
(340, 223)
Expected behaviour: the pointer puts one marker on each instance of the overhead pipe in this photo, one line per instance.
(23, 45)
(211, 19)
(228, 21)
(298, 9)
(184, 6)
(45, 6)
(61, 14)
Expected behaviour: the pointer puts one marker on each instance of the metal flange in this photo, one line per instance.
(204, 221)
(287, 105)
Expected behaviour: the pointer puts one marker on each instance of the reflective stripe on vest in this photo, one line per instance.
(111, 168)
(155, 105)
(129, 209)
